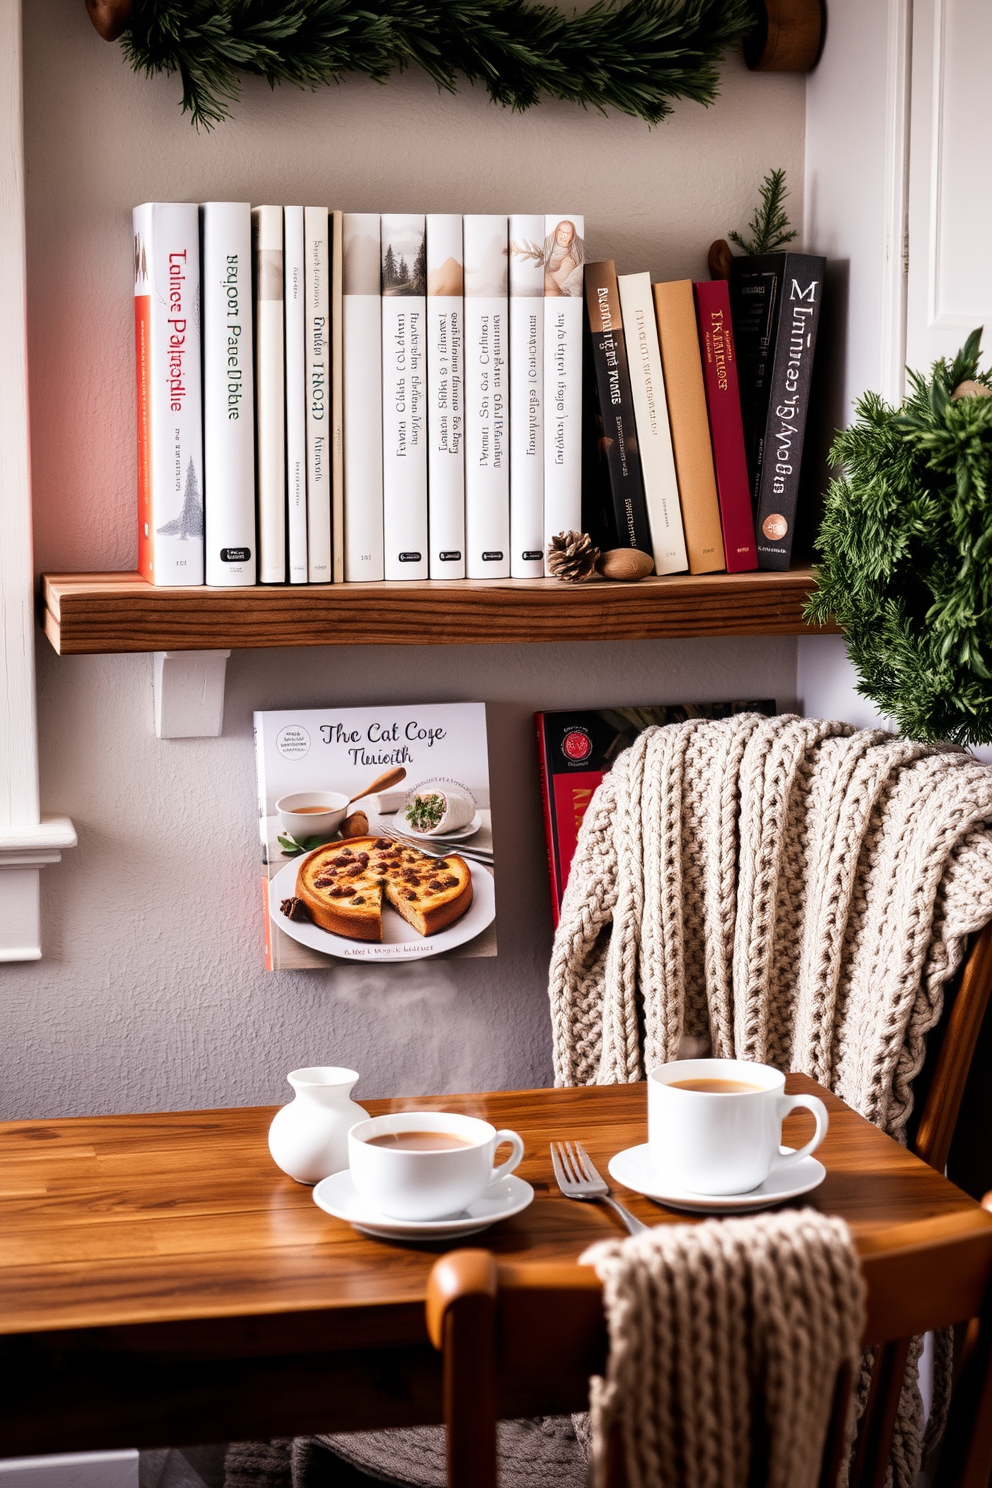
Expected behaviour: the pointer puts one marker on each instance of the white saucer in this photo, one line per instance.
(632, 1169)
(336, 1195)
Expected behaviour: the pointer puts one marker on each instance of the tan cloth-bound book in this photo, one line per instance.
(691, 442)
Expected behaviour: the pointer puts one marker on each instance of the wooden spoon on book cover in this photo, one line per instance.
(380, 783)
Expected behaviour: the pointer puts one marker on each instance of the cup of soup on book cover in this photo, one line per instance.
(423, 1165)
(715, 1125)
(312, 813)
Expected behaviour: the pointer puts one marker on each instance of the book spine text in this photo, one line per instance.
(445, 394)
(716, 339)
(404, 396)
(294, 292)
(526, 280)
(170, 424)
(318, 393)
(564, 257)
(362, 398)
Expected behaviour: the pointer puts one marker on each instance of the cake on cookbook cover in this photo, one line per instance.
(376, 835)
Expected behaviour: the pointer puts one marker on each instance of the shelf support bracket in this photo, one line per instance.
(189, 693)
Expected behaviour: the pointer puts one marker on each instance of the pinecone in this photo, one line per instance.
(572, 557)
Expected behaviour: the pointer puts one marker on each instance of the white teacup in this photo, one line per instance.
(426, 1184)
(722, 1141)
(312, 813)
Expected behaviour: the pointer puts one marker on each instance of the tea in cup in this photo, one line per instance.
(422, 1165)
(715, 1125)
(312, 813)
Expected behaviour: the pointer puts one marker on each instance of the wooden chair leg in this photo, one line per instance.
(965, 1459)
(461, 1308)
(871, 1457)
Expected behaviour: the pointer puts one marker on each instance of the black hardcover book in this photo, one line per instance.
(617, 433)
(775, 305)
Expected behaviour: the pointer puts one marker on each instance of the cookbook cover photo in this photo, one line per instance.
(376, 834)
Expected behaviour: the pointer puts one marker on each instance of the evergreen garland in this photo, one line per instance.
(633, 57)
(905, 552)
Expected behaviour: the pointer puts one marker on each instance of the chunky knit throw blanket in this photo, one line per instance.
(725, 1343)
(778, 889)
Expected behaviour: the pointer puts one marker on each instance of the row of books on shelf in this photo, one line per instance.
(335, 397)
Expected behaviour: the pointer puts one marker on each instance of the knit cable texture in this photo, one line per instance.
(778, 889)
(725, 1343)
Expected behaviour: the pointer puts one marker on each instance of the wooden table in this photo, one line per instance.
(164, 1284)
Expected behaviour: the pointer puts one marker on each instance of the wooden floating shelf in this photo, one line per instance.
(89, 614)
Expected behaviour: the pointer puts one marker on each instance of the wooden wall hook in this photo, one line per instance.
(110, 17)
(787, 36)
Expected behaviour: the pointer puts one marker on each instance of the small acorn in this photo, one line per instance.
(110, 17)
(355, 825)
(625, 563)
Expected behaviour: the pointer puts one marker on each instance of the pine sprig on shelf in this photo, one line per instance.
(769, 227)
(634, 57)
(905, 552)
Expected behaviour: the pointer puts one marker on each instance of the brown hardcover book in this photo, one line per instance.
(686, 392)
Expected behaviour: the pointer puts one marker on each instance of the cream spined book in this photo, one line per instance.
(564, 257)
(404, 395)
(270, 392)
(445, 412)
(228, 394)
(487, 451)
(318, 391)
(526, 279)
(654, 435)
(294, 291)
(363, 557)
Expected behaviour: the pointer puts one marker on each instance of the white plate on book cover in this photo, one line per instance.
(399, 824)
(400, 942)
(336, 1195)
(632, 1168)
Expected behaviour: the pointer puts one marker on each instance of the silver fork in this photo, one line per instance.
(578, 1179)
(479, 854)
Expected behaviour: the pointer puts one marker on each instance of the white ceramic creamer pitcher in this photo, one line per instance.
(309, 1138)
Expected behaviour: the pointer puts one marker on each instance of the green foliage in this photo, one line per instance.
(769, 225)
(633, 57)
(292, 847)
(905, 553)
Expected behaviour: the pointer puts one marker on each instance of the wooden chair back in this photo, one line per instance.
(522, 1340)
(942, 1081)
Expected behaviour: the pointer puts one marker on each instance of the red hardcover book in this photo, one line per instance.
(578, 748)
(723, 403)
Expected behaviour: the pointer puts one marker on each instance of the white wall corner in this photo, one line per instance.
(189, 693)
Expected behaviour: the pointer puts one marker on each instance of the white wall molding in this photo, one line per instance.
(25, 842)
(950, 211)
